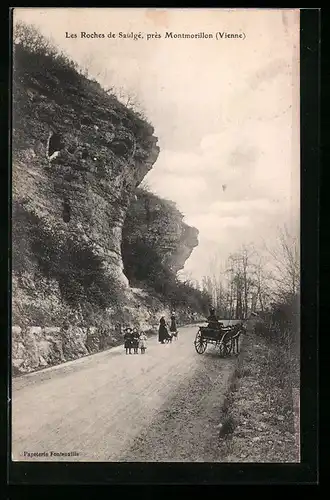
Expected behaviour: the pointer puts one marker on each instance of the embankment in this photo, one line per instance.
(259, 420)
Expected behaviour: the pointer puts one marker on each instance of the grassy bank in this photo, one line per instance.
(259, 417)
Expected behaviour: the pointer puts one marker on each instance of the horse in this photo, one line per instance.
(239, 329)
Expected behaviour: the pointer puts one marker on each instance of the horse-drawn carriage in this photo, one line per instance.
(226, 339)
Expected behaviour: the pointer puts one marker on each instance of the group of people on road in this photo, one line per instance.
(134, 340)
(166, 334)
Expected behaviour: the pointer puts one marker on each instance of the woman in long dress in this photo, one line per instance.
(162, 331)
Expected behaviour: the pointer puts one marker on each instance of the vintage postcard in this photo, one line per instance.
(155, 235)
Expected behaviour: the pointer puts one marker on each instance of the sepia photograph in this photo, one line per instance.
(155, 164)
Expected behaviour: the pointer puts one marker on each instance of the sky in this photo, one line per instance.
(226, 111)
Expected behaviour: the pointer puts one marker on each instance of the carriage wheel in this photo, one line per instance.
(200, 343)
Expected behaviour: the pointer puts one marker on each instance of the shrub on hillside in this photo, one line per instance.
(72, 263)
(282, 330)
(143, 265)
(49, 69)
(29, 38)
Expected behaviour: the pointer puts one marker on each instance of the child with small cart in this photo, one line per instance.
(143, 342)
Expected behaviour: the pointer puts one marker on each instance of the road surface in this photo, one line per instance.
(159, 406)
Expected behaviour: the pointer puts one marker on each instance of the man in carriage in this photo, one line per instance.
(213, 321)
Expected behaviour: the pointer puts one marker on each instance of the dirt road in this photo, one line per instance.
(160, 406)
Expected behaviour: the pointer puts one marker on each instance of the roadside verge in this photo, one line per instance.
(260, 415)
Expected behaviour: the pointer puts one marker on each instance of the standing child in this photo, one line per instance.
(128, 341)
(143, 342)
(135, 340)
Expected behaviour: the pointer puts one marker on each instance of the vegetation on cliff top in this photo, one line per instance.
(54, 75)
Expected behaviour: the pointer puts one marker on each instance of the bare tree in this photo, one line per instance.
(215, 285)
(242, 271)
(242, 285)
(30, 37)
(131, 100)
(286, 263)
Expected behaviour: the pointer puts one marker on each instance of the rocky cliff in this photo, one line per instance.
(155, 227)
(78, 156)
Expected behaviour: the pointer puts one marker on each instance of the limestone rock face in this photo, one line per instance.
(159, 225)
(78, 156)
